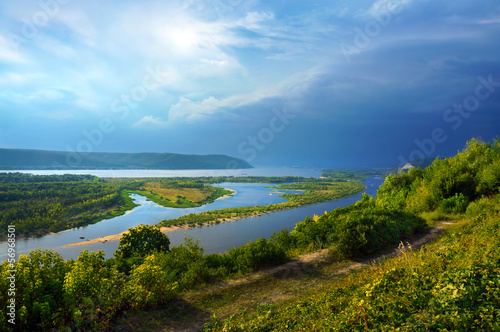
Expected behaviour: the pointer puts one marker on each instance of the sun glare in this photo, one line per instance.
(184, 39)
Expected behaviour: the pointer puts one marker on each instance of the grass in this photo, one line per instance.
(233, 296)
(180, 197)
(193, 194)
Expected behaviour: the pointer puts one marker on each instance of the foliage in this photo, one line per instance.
(454, 204)
(37, 204)
(452, 285)
(92, 291)
(142, 240)
(471, 174)
(357, 230)
(149, 285)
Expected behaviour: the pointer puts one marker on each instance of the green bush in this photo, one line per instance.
(149, 285)
(256, 255)
(358, 230)
(456, 204)
(142, 240)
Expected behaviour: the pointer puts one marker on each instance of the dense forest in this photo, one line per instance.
(37, 204)
(454, 284)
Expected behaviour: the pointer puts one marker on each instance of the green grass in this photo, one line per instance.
(182, 201)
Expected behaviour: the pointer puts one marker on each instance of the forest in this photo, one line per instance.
(451, 284)
(38, 204)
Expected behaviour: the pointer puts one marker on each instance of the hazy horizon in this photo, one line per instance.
(373, 83)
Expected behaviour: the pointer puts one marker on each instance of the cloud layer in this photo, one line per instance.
(365, 80)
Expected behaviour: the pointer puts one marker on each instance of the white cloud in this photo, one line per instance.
(149, 121)
(393, 6)
(493, 20)
(188, 110)
(9, 78)
(8, 50)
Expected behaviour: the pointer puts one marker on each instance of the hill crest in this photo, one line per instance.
(20, 159)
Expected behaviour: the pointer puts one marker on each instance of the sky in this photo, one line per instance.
(321, 83)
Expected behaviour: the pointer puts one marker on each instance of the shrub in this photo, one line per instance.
(456, 204)
(149, 285)
(142, 240)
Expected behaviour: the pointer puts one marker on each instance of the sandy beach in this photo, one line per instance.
(116, 237)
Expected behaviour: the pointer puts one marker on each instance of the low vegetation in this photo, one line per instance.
(450, 285)
(172, 192)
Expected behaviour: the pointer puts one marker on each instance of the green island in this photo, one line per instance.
(449, 284)
(172, 192)
(313, 192)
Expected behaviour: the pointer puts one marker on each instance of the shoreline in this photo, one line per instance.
(167, 229)
(233, 192)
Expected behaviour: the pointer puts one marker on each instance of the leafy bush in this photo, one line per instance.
(92, 290)
(474, 172)
(256, 255)
(360, 229)
(453, 285)
(149, 285)
(455, 204)
(141, 241)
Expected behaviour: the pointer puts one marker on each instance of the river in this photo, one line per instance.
(214, 239)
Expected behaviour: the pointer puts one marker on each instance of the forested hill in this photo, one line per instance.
(11, 159)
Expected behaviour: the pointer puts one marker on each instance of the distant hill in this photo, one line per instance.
(15, 159)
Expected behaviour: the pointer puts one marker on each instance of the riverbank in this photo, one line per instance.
(167, 229)
(231, 194)
(208, 218)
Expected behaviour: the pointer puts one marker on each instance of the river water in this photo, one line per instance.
(214, 239)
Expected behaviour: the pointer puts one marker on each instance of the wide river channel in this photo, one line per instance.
(214, 239)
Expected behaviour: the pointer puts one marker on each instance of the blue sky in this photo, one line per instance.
(320, 83)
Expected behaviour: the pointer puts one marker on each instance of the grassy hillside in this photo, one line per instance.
(14, 159)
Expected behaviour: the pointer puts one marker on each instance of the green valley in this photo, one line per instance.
(449, 284)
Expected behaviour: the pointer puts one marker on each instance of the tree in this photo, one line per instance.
(141, 241)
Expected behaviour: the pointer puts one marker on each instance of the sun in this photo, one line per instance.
(184, 40)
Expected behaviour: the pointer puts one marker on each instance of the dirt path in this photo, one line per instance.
(296, 267)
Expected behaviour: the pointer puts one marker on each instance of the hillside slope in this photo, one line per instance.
(17, 159)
